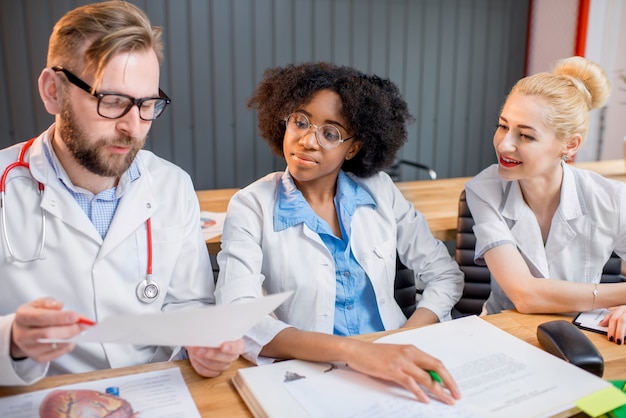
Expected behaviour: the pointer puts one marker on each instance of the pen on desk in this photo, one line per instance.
(85, 321)
(435, 376)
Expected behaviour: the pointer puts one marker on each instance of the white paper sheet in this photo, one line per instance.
(205, 327)
(503, 375)
(158, 394)
(590, 320)
(499, 376)
(358, 395)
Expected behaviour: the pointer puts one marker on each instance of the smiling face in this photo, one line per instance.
(309, 163)
(525, 145)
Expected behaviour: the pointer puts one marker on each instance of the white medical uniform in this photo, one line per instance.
(95, 277)
(588, 225)
(255, 259)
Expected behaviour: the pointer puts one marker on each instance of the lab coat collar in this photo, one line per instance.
(570, 219)
(55, 200)
(137, 205)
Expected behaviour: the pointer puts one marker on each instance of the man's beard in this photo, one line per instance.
(90, 152)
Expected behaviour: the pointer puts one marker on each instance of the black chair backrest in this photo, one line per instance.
(612, 272)
(477, 278)
(404, 289)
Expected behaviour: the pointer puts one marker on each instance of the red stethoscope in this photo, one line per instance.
(147, 290)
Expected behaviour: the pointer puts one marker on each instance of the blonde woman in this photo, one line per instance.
(544, 228)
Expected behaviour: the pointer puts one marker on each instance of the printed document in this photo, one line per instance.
(158, 394)
(499, 376)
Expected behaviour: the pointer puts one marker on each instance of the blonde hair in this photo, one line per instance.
(574, 87)
(93, 34)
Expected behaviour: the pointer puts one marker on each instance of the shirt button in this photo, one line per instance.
(350, 307)
(346, 273)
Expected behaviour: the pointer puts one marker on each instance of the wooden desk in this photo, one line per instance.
(438, 200)
(218, 397)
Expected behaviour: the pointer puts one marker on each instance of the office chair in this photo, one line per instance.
(477, 278)
(404, 289)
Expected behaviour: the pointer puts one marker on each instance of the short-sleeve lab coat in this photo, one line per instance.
(95, 277)
(255, 260)
(588, 225)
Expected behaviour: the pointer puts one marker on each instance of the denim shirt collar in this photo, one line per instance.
(291, 208)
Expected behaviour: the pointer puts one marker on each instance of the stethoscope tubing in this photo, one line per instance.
(3, 181)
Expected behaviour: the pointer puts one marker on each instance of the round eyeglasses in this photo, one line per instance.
(116, 105)
(328, 136)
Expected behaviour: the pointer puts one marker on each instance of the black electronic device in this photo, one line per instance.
(565, 340)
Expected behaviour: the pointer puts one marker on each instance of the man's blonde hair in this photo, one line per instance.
(91, 35)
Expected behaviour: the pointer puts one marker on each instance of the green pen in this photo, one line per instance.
(435, 376)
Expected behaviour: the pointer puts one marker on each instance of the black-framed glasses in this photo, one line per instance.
(116, 105)
(328, 136)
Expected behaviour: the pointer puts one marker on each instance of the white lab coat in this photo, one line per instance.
(93, 277)
(588, 225)
(255, 260)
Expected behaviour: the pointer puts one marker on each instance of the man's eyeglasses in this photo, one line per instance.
(328, 136)
(116, 105)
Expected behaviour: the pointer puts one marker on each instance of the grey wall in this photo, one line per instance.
(454, 61)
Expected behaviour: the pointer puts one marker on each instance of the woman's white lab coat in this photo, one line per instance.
(94, 277)
(256, 259)
(588, 225)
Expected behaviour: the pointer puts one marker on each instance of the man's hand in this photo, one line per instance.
(211, 362)
(43, 318)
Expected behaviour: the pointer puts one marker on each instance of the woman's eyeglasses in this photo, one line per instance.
(328, 136)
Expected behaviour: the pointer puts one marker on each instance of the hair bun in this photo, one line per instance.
(589, 77)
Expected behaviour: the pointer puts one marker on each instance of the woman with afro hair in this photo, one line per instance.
(329, 227)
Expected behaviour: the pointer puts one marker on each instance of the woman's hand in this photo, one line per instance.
(211, 362)
(405, 365)
(43, 318)
(616, 322)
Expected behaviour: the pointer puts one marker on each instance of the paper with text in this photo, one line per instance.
(358, 395)
(158, 394)
(499, 376)
(203, 327)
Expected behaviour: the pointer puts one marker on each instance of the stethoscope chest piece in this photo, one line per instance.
(147, 290)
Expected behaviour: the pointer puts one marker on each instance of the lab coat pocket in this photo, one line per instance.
(167, 245)
(380, 262)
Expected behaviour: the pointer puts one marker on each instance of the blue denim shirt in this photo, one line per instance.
(356, 310)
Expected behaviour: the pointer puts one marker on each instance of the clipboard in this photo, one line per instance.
(589, 321)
